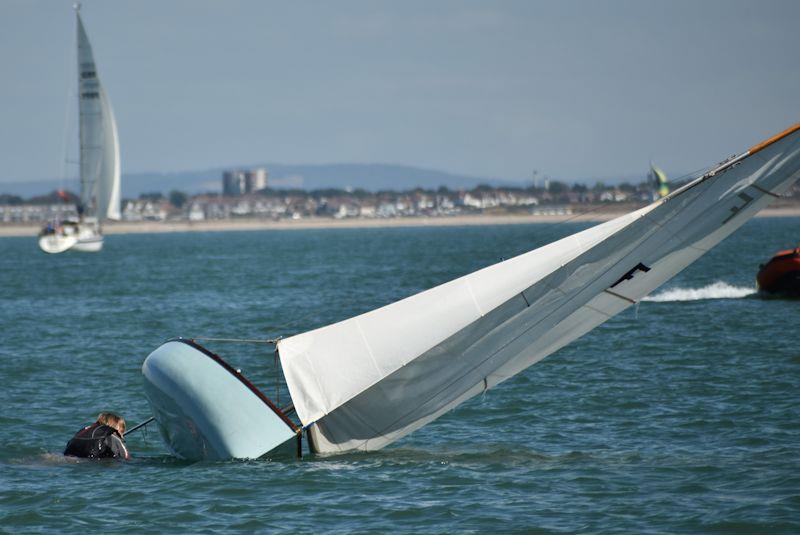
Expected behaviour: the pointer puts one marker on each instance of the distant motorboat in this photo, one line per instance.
(99, 163)
(781, 275)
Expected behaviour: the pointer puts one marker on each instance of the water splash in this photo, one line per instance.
(717, 290)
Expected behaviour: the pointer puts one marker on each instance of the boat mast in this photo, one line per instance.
(81, 207)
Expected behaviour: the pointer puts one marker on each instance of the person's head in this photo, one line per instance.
(112, 419)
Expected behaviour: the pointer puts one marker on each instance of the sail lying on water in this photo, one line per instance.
(365, 382)
(99, 167)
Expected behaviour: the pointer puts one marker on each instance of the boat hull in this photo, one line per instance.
(71, 236)
(781, 275)
(206, 410)
(89, 245)
(56, 243)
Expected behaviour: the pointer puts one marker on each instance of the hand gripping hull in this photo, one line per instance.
(206, 410)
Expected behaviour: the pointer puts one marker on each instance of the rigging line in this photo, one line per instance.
(678, 182)
(305, 316)
(67, 116)
(455, 380)
(315, 311)
(765, 191)
(132, 429)
(237, 340)
(545, 227)
(551, 226)
(620, 296)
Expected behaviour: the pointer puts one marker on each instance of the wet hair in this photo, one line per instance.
(112, 419)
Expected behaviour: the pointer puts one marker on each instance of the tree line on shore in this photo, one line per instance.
(555, 190)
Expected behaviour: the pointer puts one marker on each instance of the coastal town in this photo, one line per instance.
(245, 194)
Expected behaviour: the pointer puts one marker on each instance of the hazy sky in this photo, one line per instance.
(495, 89)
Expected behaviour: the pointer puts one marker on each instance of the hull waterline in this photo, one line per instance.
(88, 245)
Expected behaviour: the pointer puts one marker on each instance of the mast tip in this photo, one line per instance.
(76, 6)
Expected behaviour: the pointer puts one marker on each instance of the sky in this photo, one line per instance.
(574, 90)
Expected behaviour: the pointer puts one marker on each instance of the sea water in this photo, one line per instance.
(680, 415)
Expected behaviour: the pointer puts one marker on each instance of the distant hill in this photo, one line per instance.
(372, 177)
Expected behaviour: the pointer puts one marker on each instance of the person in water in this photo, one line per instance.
(101, 440)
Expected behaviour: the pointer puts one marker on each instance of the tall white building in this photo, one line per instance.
(238, 182)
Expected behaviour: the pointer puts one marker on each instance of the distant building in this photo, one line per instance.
(233, 183)
(255, 179)
(196, 212)
(239, 182)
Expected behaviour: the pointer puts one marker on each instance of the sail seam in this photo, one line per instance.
(646, 215)
(474, 299)
(598, 311)
(765, 191)
(581, 250)
(369, 349)
(615, 294)
(316, 378)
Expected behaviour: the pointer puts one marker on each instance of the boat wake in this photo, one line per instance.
(717, 290)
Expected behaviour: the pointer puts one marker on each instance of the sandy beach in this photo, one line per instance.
(155, 227)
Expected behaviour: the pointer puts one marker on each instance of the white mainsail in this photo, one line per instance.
(99, 159)
(367, 381)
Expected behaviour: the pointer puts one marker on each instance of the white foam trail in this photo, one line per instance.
(718, 290)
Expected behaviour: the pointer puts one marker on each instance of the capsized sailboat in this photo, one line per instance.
(365, 382)
(99, 162)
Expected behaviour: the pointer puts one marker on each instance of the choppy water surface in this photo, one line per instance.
(680, 415)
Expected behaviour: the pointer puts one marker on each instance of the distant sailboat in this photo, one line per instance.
(659, 180)
(367, 381)
(99, 162)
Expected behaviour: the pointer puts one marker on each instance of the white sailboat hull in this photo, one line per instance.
(89, 241)
(92, 246)
(56, 243)
(80, 237)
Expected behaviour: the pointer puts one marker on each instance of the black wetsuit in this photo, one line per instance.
(97, 441)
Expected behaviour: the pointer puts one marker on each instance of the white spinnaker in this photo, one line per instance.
(99, 167)
(369, 380)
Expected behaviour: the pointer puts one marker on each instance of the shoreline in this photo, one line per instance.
(252, 224)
